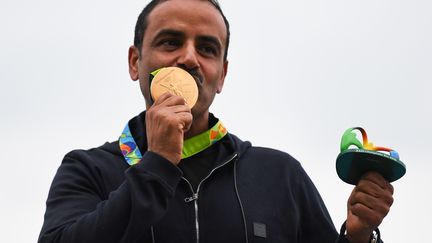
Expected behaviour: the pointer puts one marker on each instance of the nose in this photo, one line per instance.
(188, 57)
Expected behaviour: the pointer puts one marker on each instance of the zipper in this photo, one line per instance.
(240, 203)
(194, 197)
(152, 234)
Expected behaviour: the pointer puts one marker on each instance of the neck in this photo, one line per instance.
(199, 125)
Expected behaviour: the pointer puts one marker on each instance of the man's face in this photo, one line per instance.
(189, 34)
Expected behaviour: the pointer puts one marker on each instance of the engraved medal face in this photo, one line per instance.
(175, 81)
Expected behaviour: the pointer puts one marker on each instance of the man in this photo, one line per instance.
(226, 191)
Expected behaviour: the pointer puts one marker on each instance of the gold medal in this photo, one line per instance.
(175, 81)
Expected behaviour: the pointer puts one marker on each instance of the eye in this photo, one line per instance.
(208, 50)
(169, 44)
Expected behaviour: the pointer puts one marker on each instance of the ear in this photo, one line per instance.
(133, 58)
(222, 80)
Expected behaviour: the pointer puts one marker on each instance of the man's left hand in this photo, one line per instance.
(369, 203)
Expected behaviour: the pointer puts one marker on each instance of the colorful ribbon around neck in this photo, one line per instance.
(129, 147)
(191, 146)
(350, 138)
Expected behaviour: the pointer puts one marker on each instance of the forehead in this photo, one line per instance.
(194, 16)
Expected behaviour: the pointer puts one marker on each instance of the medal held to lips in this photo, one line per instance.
(352, 163)
(175, 81)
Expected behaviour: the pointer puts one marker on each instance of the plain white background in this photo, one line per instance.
(300, 73)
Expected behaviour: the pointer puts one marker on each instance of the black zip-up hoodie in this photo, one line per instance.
(253, 194)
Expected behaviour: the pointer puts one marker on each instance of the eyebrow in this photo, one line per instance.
(169, 32)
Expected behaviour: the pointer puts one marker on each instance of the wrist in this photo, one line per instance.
(363, 238)
(173, 158)
(374, 237)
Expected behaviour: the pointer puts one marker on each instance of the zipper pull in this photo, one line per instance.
(193, 198)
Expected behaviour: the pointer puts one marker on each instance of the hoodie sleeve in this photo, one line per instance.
(316, 223)
(76, 211)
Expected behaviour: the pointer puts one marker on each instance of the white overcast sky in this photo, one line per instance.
(300, 73)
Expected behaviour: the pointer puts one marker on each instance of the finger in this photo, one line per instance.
(161, 98)
(379, 204)
(369, 187)
(377, 179)
(185, 120)
(179, 109)
(168, 99)
(372, 189)
(366, 215)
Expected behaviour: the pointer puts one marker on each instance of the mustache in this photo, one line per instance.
(197, 75)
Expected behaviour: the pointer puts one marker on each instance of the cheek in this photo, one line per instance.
(145, 90)
(208, 93)
(159, 60)
(143, 82)
(217, 82)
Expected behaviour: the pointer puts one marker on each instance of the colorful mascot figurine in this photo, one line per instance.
(352, 163)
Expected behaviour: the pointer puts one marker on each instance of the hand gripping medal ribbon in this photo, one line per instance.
(352, 163)
(175, 81)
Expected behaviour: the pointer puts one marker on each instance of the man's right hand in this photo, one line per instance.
(166, 122)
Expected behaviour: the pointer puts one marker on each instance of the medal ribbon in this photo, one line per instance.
(191, 146)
